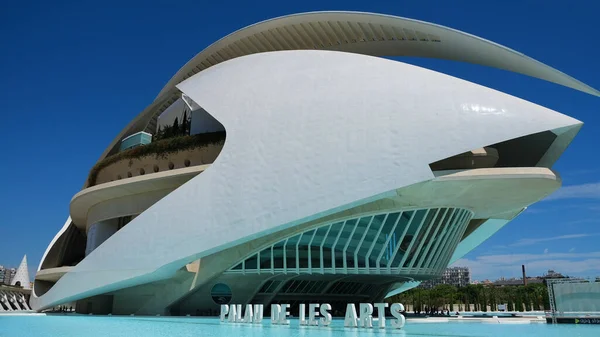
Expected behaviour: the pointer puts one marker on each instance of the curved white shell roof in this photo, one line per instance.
(371, 34)
(309, 133)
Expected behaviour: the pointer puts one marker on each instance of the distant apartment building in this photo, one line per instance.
(552, 274)
(456, 276)
(6, 275)
(10, 275)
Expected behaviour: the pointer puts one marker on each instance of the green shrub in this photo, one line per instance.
(160, 149)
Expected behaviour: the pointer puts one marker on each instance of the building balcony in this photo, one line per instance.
(158, 156)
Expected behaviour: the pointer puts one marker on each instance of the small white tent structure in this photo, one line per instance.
(21, 277)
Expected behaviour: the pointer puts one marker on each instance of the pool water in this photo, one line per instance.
(103, 326)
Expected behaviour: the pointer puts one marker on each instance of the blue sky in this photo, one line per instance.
(73, 73)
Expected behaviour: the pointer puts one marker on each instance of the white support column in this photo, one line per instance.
(321, 249)
(334, 244)
(4, 300)
(446, 237)
(462, 226)
(13, 300)
(21, 299)
(423, 239)
(285, 255)
(427, 250)
(451, 241)
(347, 244)
(309, 251)
(298, 253)
(360, 244)
(445, 228)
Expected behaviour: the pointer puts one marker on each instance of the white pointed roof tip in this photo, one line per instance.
(372, 34)
(22, 275)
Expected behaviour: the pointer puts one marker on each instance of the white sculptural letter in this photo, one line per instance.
(350, 319)
(396, 310)
(381, 314)
(224, 311)
(324, 309)
(366, 315)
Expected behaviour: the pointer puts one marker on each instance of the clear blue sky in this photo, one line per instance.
(74, 73)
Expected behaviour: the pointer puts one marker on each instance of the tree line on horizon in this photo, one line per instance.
(448, 297)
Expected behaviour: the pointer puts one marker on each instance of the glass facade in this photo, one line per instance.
(412, 241)
(137, 139)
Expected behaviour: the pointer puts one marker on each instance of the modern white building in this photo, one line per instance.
(309, 168)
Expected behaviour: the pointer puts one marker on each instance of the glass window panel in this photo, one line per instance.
(303, 248)
(333, 234)
(317, 287)
(299, 286)
(306, 285)
(273, 286)
(360, 231)
(333, 288)
(265, 286)
(286, 286)
(346, 231)
(404, 243)
(369, 238)
(396, 236)
(349, 288)
(290, 251)
(265, 258)
(321, 231)
(306, 237)
(381, 240)
(278, 255)
(238, 266)
(293, 286)
(251, 262)
(302, 287)
(293, 240)
(290, 256)
(327, 258)
(320, 287)
(315, 246)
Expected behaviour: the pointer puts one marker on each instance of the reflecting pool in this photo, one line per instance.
(113, 326)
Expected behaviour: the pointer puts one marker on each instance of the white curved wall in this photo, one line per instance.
(308, 133)
(100, 232)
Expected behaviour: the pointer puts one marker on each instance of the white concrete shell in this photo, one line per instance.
(354, 32)
(309, 133)
(370, 34)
